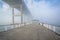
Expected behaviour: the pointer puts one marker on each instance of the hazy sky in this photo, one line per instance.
(47, 11)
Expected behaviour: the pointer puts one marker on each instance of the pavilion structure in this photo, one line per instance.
(19, 5)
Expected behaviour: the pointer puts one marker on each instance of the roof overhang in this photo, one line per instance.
(14, 3)
(17, 4)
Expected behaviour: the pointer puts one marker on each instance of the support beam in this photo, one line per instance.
(21, 17)
(12, 15)
(21, 14)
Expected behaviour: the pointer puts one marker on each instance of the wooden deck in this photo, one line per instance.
(29, 32)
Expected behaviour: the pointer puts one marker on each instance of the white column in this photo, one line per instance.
(12, 15)
(21, 14)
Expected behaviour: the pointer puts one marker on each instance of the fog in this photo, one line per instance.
(47, 11)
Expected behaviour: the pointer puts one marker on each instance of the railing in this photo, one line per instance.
(11, 26)
(8, 27)
(56, 29)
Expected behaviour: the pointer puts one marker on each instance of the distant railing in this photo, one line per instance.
(56, 29)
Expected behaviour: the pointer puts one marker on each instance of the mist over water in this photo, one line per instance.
(47, 11)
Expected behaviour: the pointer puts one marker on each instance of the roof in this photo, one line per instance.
(17, 4)
(14, 3)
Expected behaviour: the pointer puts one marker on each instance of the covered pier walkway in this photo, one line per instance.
(33, 31)
(29, 32)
